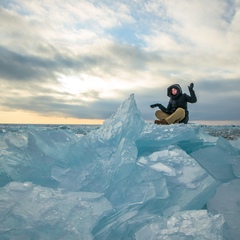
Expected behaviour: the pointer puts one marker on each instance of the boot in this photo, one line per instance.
(157, 122)
(161, 122)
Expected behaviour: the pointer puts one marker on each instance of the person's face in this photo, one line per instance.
(174, 91)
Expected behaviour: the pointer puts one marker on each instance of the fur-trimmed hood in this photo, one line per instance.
(169, 91)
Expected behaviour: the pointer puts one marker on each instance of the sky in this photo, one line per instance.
(76, 61)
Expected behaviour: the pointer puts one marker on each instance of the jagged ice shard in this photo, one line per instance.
(128, 179)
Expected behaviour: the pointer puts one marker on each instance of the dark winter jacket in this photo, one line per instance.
(179, 100)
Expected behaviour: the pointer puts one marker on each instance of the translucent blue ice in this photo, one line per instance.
(218, 160)
(29, 211)
(195, 225)
(226, 202)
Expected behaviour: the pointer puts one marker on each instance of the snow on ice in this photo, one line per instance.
(126, 179)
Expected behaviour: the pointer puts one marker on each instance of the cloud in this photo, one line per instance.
(50, 105)
(217, 100)
(83, 58)
(21, 67)
(200, 32)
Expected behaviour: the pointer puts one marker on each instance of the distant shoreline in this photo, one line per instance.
(213, 123)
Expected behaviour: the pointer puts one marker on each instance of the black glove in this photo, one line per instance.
(191, 87)
(154, 105)
(159, 105)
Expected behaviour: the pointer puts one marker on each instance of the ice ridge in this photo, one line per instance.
(128, 179)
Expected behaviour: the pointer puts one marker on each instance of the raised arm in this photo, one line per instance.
(192, 98)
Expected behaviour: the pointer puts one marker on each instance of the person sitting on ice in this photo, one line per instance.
(176, 111)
